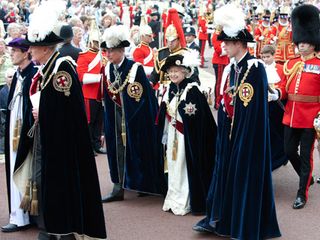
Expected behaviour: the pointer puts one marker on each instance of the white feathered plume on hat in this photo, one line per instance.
(191, 58)
(44, 19)
(114, 35)
(231, 18)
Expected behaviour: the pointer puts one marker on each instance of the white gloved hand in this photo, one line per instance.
(223, 50)
(273, 96)
(261, 38)
(316, 123)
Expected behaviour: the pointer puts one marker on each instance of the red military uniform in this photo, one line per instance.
(89, 71)
(88, 68)
(144, 55)
(219, 61)
(267, 34)
(251, 48)
(203, 36)
(285, 46)
(302, 89)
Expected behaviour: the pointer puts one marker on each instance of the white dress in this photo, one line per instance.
(17, 216)
(178, 196)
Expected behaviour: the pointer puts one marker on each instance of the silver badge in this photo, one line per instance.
(190, 109)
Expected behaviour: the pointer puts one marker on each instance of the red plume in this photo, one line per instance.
(173, 18)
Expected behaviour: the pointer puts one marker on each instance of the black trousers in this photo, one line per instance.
(96, 123)
(302, 162)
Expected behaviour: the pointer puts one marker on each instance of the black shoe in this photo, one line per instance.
(111, 197)
(14, 228)
(299, 203)
(68, 237)
(318, 180)
(100, 150)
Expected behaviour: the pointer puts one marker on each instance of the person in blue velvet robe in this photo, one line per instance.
(189, 132)
(240, 203)
(66, 182)
(133, 148)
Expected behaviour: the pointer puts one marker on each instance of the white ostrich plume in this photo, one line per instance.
(114, 35)
(44, 19)
(231, 18)
(191, 58)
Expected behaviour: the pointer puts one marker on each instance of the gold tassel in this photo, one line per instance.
(16, 135)
(34, 203)
(123, 133)
(175, 149)
(209, 100)
(25, 203)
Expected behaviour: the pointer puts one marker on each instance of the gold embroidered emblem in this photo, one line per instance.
(62, 82)
(246, 93)
(135, 90)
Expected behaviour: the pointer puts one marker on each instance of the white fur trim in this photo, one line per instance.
(133, 72)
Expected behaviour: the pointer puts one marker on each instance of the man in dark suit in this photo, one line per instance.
(67, 49)
(190, 35)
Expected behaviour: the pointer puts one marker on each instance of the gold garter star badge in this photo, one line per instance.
(62, 82)
(190, 109)
(246, 93)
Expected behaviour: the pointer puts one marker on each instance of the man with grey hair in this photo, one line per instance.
(62, 150)
(133, 147)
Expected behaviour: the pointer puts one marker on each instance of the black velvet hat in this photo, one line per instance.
(189, 60)
(50, 39)
(231, 19)
(116, 37)
(173, 60)
(306, 25)
(243, 36)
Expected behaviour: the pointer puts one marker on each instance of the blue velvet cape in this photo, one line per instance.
(278, 155)
(143, 159)
(240, 201)
(69, 180)
(200, 132)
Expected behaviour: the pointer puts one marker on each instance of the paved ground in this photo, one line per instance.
(142, 218)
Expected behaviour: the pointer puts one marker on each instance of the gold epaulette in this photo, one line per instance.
(297, 68)
(83, 52)
(179, 51)
(160, 49)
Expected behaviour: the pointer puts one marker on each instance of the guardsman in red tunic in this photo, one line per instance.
(302, 91)
(219, 61)
(264, 34)
(143, 53)
(89, 71)
(285, 46)
(203, 35)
